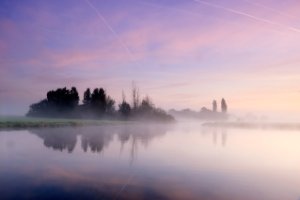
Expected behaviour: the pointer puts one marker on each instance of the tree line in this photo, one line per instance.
(64, 103)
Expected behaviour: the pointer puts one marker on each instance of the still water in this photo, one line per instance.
(180, 161)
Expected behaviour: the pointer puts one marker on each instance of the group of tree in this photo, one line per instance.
(64, 103)
(223, 106)
(204, 113)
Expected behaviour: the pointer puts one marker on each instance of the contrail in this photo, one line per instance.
(124, 186)
(171, 8)
(111, 29)
(184, 11)
(247, 15)
(269, 8)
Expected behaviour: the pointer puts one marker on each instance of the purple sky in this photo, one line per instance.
(181, 53)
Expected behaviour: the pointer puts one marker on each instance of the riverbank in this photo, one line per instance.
(29, 122)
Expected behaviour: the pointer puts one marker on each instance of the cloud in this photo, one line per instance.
(254, 17)
(107, 24)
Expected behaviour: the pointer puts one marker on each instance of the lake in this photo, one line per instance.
(150, 161)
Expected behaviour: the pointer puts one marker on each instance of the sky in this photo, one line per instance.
(182, 53)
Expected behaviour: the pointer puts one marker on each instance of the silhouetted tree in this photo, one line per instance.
(214, 105)
(39, 109)
(223, 106)
(63, 102)
(63, 99)
(59, 102)
(98, 101)
(146, 105)
(110, 105)
(74, 97)
(87, 97)
(135, 97)
(124, 109)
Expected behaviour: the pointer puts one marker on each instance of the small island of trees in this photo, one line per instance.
(64, 103)
(204, 113)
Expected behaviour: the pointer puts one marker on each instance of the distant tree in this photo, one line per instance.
(39, 109)
(223, 106)
(135, 97)
(124, 109)
(95, 96)
(146, 105)
(63, 102)
(102, 100)
(74, 97)
(87, 97)
(110, 105)
(63, 99)
(123, 96)
(214, 105)
(59, 102)
(98, 100)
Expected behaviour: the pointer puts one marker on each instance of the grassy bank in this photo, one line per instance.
(28, 122)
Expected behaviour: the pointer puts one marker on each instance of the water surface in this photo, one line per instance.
(181, 161)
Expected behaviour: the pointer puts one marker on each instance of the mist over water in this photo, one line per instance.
(149, 161)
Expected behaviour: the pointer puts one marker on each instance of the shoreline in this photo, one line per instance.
(7, 123)
(253, 125)
(28, 122)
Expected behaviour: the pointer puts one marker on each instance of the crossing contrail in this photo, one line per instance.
(115, 34)
(124, 186)
(247, 15)
(188, 12)
(269, 8)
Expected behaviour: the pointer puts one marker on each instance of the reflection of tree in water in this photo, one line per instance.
(96, 138)
(139, 133)
(57, 138)
(217, 134)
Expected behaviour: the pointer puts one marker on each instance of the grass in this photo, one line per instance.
(28, 122)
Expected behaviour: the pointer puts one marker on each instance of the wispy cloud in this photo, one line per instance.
(178, 48)
(267, 21)
(260, 5)
(116, 35)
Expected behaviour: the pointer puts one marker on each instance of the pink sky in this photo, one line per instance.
(183, 54)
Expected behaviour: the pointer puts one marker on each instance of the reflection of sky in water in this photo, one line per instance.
(181, 161)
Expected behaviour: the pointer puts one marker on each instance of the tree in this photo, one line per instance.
(59, 102)
(87, 97)
(147, 105)
(135, 97)
(110, 105)
(38, 109)
(124, 109)
(63, 99)
(223, 106)
(98, 100)
(214, 105)
(74, 97)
